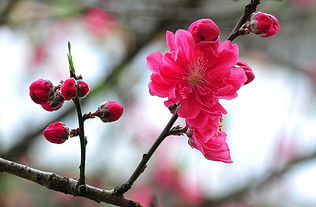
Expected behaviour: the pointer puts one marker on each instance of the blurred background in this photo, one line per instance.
(271, 125)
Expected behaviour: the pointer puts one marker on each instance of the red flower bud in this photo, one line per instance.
(55, 102)
(69, 89)
(56, 133)
(83, 88)
(248, 71)
(41, 90)
(109, 111)
(204, 30)
(72, 88)
(263, 24)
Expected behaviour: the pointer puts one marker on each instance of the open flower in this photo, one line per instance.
(197, 72)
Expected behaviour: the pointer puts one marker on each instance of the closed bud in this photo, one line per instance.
(41, 90)
(55, 102)
(69, 89)
(72, 88)
(56, 133)
(204, 30)
(109, 111)
(263, 24)
(83, 88)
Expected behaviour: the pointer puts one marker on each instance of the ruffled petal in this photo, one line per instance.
(170, 41)
(154, 61)
(185, 45)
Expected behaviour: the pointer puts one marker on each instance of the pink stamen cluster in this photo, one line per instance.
(196, 73)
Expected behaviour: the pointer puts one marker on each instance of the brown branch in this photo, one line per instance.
(120, 190)
(249, 9)
(83, 142)
(64, 184)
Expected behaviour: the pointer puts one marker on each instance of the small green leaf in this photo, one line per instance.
(70, 61)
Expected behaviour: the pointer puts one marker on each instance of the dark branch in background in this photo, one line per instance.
(258, 183)
(120, 190)
(63, 184)
(249, 9)
(7, 10)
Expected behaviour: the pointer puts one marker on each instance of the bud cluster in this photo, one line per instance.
(51, 97)
(72, 88)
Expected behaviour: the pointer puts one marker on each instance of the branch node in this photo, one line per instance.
(120, 190)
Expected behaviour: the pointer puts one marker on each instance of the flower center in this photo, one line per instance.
(196, 72)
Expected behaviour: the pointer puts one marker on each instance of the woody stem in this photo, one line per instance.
(249, 9)
(82, 142)
(120, 190)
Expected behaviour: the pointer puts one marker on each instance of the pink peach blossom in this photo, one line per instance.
(197, 72)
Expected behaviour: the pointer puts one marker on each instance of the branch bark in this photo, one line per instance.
(64, 184)
(120, 190)
(249, 9)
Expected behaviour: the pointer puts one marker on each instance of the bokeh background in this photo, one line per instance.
(271, 125)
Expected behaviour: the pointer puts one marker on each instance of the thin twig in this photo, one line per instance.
(120, 190)
(64, 184)
(249, 9)
(82, 142)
